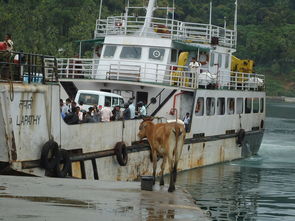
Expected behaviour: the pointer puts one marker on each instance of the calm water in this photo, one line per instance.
(261, 188)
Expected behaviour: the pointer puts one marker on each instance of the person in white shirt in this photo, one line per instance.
(106, 113)
(142, 110)
(186, 121)
(132, 109)
(193, 65)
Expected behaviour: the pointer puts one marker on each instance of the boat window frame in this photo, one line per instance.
(209, 111)
(261, 105)
(132, 57)
(256, 107)
(226, 61)
(199, 108)
(247, 105)
(212, 58)
(231, 109)
(109, 46)
(220, 108)
(220, 60)
(240, 102)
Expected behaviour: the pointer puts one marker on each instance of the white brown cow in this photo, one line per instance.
(166, 140)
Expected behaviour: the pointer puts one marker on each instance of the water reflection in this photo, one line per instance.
(259, 188)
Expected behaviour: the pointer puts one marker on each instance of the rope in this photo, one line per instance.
(10, 81)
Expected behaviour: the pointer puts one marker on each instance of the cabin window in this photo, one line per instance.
(173, 55)
(255, 105)
(199, 110)
(109, 51)
(107, 99)
(240, 108)
(88, 99)
(220, 106)
(157, 54)
(261, 105)
(210, 106)
(212, 59)
(248, 105)
(226, 61)
(231, 106)
(219, 60)
(131, 53)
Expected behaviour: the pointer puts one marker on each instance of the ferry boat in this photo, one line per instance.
(147, 59)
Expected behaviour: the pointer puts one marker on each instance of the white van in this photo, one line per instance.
(99, 98)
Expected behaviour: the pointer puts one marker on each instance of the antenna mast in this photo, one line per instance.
(236, 22)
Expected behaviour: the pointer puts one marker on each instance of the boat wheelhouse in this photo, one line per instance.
(146, 59)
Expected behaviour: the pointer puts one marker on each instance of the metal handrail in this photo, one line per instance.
(27, 67)
(153, 73)
(169, 28)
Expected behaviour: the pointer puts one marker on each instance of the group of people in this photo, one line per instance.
(73, 113)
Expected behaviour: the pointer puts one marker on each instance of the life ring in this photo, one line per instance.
(241, 136)
(63, 167)
(121, 153)
(203, 58)
(50, 155)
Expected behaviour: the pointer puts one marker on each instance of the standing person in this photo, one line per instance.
(116, 113)
(194, 66)
(9, 43)
(126, 112)
(142, 110)
(186, 121)
(132, 109)
(106, 112)
(69, 104)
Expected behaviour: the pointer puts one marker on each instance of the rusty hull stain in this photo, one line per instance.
(13, 148)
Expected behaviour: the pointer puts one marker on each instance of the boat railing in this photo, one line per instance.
(153, 73)
(165, 28)
(27, 67)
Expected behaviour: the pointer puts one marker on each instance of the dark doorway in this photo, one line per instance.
(142, 96)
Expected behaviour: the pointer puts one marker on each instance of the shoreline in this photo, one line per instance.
(281, 98)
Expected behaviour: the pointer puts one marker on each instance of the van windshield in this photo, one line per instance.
(88, 99)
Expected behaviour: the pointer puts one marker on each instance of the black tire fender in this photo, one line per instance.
(63, 167)
(121, 153)
(241, 136)
(50, 155)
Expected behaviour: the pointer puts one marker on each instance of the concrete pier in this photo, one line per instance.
(32, 198)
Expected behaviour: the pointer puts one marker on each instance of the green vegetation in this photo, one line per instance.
(266, 29)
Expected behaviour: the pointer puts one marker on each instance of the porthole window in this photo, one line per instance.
(157, 53)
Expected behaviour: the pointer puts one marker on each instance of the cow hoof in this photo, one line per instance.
(171, 189)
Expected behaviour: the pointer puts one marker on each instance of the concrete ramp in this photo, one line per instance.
(70, 199)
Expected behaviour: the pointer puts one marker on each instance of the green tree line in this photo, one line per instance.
(266, 29)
